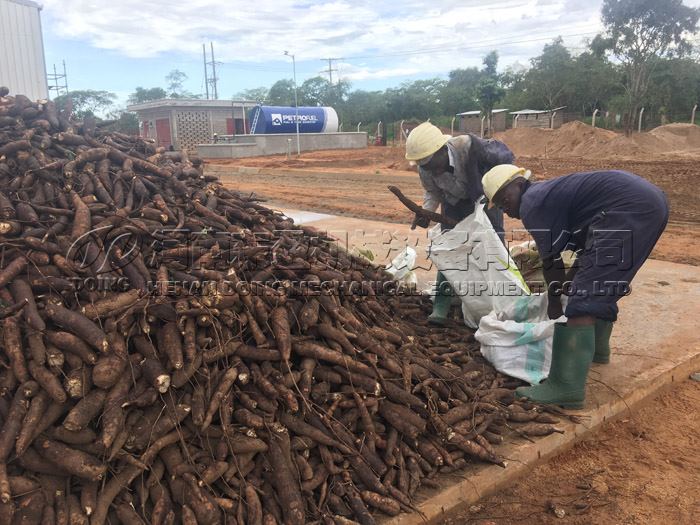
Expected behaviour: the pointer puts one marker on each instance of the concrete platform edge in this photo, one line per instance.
(488, 479)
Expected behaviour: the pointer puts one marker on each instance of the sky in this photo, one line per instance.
(120, 44)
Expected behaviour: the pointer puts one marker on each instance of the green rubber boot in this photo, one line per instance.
(603, 329)
(441, 302)
(572, 353)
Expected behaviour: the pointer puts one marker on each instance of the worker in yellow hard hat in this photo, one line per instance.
(450, 170)
(612, 219)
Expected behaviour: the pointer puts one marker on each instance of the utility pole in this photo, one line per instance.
(330, 69)
(296, 100)
(213, 69)
(58, 82)
(206, 74)
(210, 81)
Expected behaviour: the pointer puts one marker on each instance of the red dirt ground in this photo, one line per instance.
(644, 468)
(353, 183)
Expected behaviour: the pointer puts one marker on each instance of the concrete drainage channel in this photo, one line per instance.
(481, 481)
(645, 362)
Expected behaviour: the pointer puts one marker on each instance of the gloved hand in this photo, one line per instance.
(554, 309)
(421, 221)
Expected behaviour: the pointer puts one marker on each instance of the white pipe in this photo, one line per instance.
(482, 126)
(452, 126)
(595, 112)
(639, 127)
(234, 124)
(515, 121)
(551, 120)
(692, 116)
(379, 129)
(358, 126)
(401, 132)
(340, 128)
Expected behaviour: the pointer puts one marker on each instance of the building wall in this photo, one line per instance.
(189, 126)
(470, 124)
(498, 122)
(259, 145)
(22, 65)
(540, 120)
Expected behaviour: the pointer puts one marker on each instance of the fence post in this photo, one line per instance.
(639, 127)
(595, 112)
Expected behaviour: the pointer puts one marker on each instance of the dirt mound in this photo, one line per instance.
(573, 139)
(576, 139)
(679, 137)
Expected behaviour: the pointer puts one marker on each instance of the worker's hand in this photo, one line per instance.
(554, 309)
(421, 221)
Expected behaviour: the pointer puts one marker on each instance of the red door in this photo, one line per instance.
(163, 132)
(229, 126)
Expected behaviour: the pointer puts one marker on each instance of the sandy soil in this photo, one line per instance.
(353, 183)
(640, 469)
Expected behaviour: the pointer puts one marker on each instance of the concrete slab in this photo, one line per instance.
(655, 342)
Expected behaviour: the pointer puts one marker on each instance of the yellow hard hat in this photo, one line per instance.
(424, 141)
(499, 176)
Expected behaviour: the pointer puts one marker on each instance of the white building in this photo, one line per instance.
(22, 64)
(184, 123)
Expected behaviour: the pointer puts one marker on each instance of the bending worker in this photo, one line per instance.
(450, 170)
(613, 219)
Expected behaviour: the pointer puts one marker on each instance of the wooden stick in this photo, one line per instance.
(421, 212)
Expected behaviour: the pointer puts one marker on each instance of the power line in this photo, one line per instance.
(442, 49)
(330, 69)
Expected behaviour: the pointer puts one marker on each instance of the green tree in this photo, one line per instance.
(281, 93)
(594, 82)
(489, 90)
(419, 99)
(549, 81)
(459, 93)
(123, 122)
(175, 80)
(146, 95)
(312, 91)
(258, 94)
(363, 106)
(642, 31)
(85, 102)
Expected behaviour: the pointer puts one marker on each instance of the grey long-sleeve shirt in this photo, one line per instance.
(470, 158)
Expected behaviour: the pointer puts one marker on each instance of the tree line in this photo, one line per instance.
(643, 58)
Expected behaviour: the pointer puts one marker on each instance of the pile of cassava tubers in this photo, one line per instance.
(175, 352)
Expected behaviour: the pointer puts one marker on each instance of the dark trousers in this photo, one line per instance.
(465, 207)
(618, 242)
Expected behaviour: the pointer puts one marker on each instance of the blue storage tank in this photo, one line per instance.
(282, 119)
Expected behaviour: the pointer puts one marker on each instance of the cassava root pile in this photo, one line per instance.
(174, 352)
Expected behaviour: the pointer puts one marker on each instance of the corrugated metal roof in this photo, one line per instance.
(190, 103)
(478, 112)
(535, 111)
